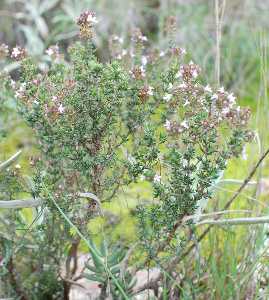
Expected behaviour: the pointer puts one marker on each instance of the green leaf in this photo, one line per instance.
(93, 269)
(115, 269)
(94, 277)
(42, 27)
(103, 249)
(116, 257)
(132, 283)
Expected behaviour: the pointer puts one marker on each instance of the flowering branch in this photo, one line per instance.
(239, 221)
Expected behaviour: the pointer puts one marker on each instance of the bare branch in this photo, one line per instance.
(235, 221)
(91, 196)
(13, 204)
(8, 162)
(23, 203)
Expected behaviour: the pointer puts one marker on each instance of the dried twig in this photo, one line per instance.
(23, 203)
(13, 204)
(8, 162)
(235, 221)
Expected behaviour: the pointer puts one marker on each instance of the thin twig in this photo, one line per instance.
(223, 212)
(72, 282)
(13, 204)
(235, 221)
(236, 181)
(24, 203)
(8, 162)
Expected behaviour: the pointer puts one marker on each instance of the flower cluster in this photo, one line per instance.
(86, 21)
(188, 72)
(54, 106)
(53, 52)
(145, 92)
(18, 53)
(138, 38)
(178, 51)
(20, 93)
(138, 73)
(173, 127)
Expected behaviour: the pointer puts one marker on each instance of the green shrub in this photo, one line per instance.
(145, 115)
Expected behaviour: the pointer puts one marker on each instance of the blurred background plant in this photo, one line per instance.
(229, 40)
(37, 24)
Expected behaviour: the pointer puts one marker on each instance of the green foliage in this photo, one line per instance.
(113, 257)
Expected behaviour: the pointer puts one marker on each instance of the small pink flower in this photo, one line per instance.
(182, 85)
(170, 86)
(187, 102)
(15, 52)
(118, 39)
(167, 125)
(184, 124)
(221, 90)
(215, 97)
(231, 98)
(167, 97)
(18, 53)
(150, 90)
(124, 52)
(183, 51)
(244, 153)
(53, 51)
(144, 60)
(157, 178)
(61, 109)
(194, 73)
(208, 89)
(49, 52)
(13, 83)
(91, 19)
